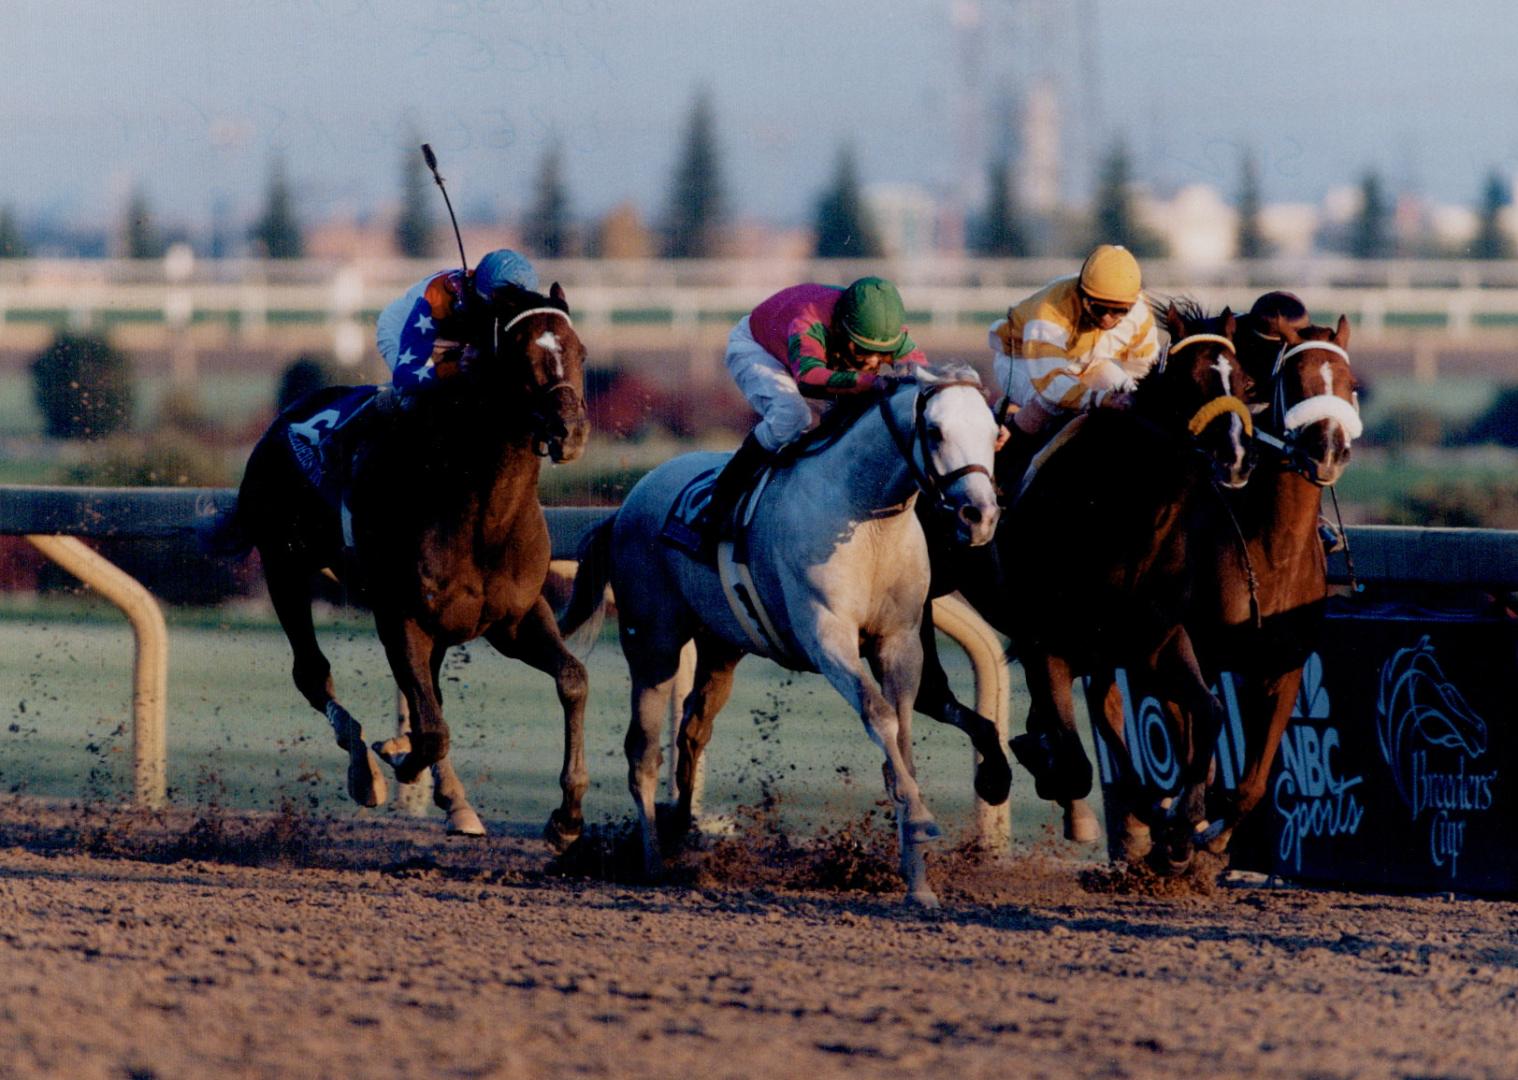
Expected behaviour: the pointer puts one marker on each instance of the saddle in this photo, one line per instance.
(684, 528)
(685, 525)
(311, 422)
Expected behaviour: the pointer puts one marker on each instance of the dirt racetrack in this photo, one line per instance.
(195, 944)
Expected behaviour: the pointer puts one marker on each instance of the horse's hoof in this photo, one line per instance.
(410, 757)
(1080, 823)
(922, 897)
(393, 751)
(1136, 844)
(993, 779)
(1216, 837)
(923, 832)
(561, 836)
(366, 781)
(465, 822)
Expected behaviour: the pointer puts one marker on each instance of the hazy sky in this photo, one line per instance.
(188, 99)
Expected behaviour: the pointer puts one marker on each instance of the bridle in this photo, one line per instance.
(1223, 403)
(933, 483)
(1310, 409)
(541, 395)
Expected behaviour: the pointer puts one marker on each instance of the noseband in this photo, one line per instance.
(1223, 403)
(934, 484)
(1310, 409)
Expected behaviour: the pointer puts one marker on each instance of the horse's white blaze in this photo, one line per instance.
(1327, 372)
(549, 341)
(1224, 368)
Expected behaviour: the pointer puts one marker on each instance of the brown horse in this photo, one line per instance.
(448, 539)
(1265, 616)
(1093, 565)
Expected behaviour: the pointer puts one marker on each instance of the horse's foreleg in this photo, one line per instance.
(899, 659)
(1197, 717)
(410, 651)
(291, 596)
(716, 662)
(447, 789)
(535, 641)
(1270, 701)
(993, 775)
(1129, 837)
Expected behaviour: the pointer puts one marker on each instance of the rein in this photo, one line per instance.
(932, 483)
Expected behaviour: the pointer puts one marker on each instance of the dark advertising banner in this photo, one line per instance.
(1398, 768)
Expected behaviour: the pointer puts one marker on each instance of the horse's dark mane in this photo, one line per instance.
(510, 300)
(847, 411)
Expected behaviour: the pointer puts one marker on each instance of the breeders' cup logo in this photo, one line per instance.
(1312, 798)
(1430, 737)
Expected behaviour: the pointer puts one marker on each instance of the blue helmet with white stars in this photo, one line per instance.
(500, 268)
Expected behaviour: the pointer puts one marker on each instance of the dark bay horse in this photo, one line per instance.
(1094, 564)
(448, 539)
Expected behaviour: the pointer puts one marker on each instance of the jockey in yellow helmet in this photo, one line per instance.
(1080, 342)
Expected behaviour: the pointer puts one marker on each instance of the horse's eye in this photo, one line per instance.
(935, 433)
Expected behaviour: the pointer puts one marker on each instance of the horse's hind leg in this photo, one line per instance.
(993, 775)
(716, 661)
(536, 641)
(288, 589)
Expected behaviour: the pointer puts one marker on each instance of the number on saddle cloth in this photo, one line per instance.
(311, 423)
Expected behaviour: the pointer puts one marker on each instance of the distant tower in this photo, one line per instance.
(967, 21)
(1038, 158)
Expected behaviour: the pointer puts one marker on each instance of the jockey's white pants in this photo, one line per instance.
(784, 414)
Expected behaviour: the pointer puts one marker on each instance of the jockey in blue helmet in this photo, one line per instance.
(420, 333)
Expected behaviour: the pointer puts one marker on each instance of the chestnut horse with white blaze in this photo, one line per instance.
(448, 539)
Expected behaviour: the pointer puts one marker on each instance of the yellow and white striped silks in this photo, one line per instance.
(1038, 351)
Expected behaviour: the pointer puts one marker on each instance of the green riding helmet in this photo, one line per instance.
(870, 311)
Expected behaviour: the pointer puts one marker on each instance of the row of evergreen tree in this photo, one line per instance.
(698, 207)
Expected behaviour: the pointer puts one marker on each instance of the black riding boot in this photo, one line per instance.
(734, 479)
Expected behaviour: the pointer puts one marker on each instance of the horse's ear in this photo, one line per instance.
(1230, 324)
(1341, 333)
(1173, 322)
(556, 293)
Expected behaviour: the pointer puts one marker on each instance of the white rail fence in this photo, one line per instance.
(183, 307)
(54, 519)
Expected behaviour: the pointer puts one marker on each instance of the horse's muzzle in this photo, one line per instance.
(562, 426)
(974, 523)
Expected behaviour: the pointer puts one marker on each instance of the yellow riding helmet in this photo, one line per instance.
(1111, 273)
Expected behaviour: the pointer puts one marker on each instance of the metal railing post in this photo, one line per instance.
(150, 669)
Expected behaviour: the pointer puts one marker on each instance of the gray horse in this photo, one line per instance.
(836, 573)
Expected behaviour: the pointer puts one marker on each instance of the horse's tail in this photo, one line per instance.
(582, 618)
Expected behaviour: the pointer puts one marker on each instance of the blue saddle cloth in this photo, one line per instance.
(683, 527)
(312, 420)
